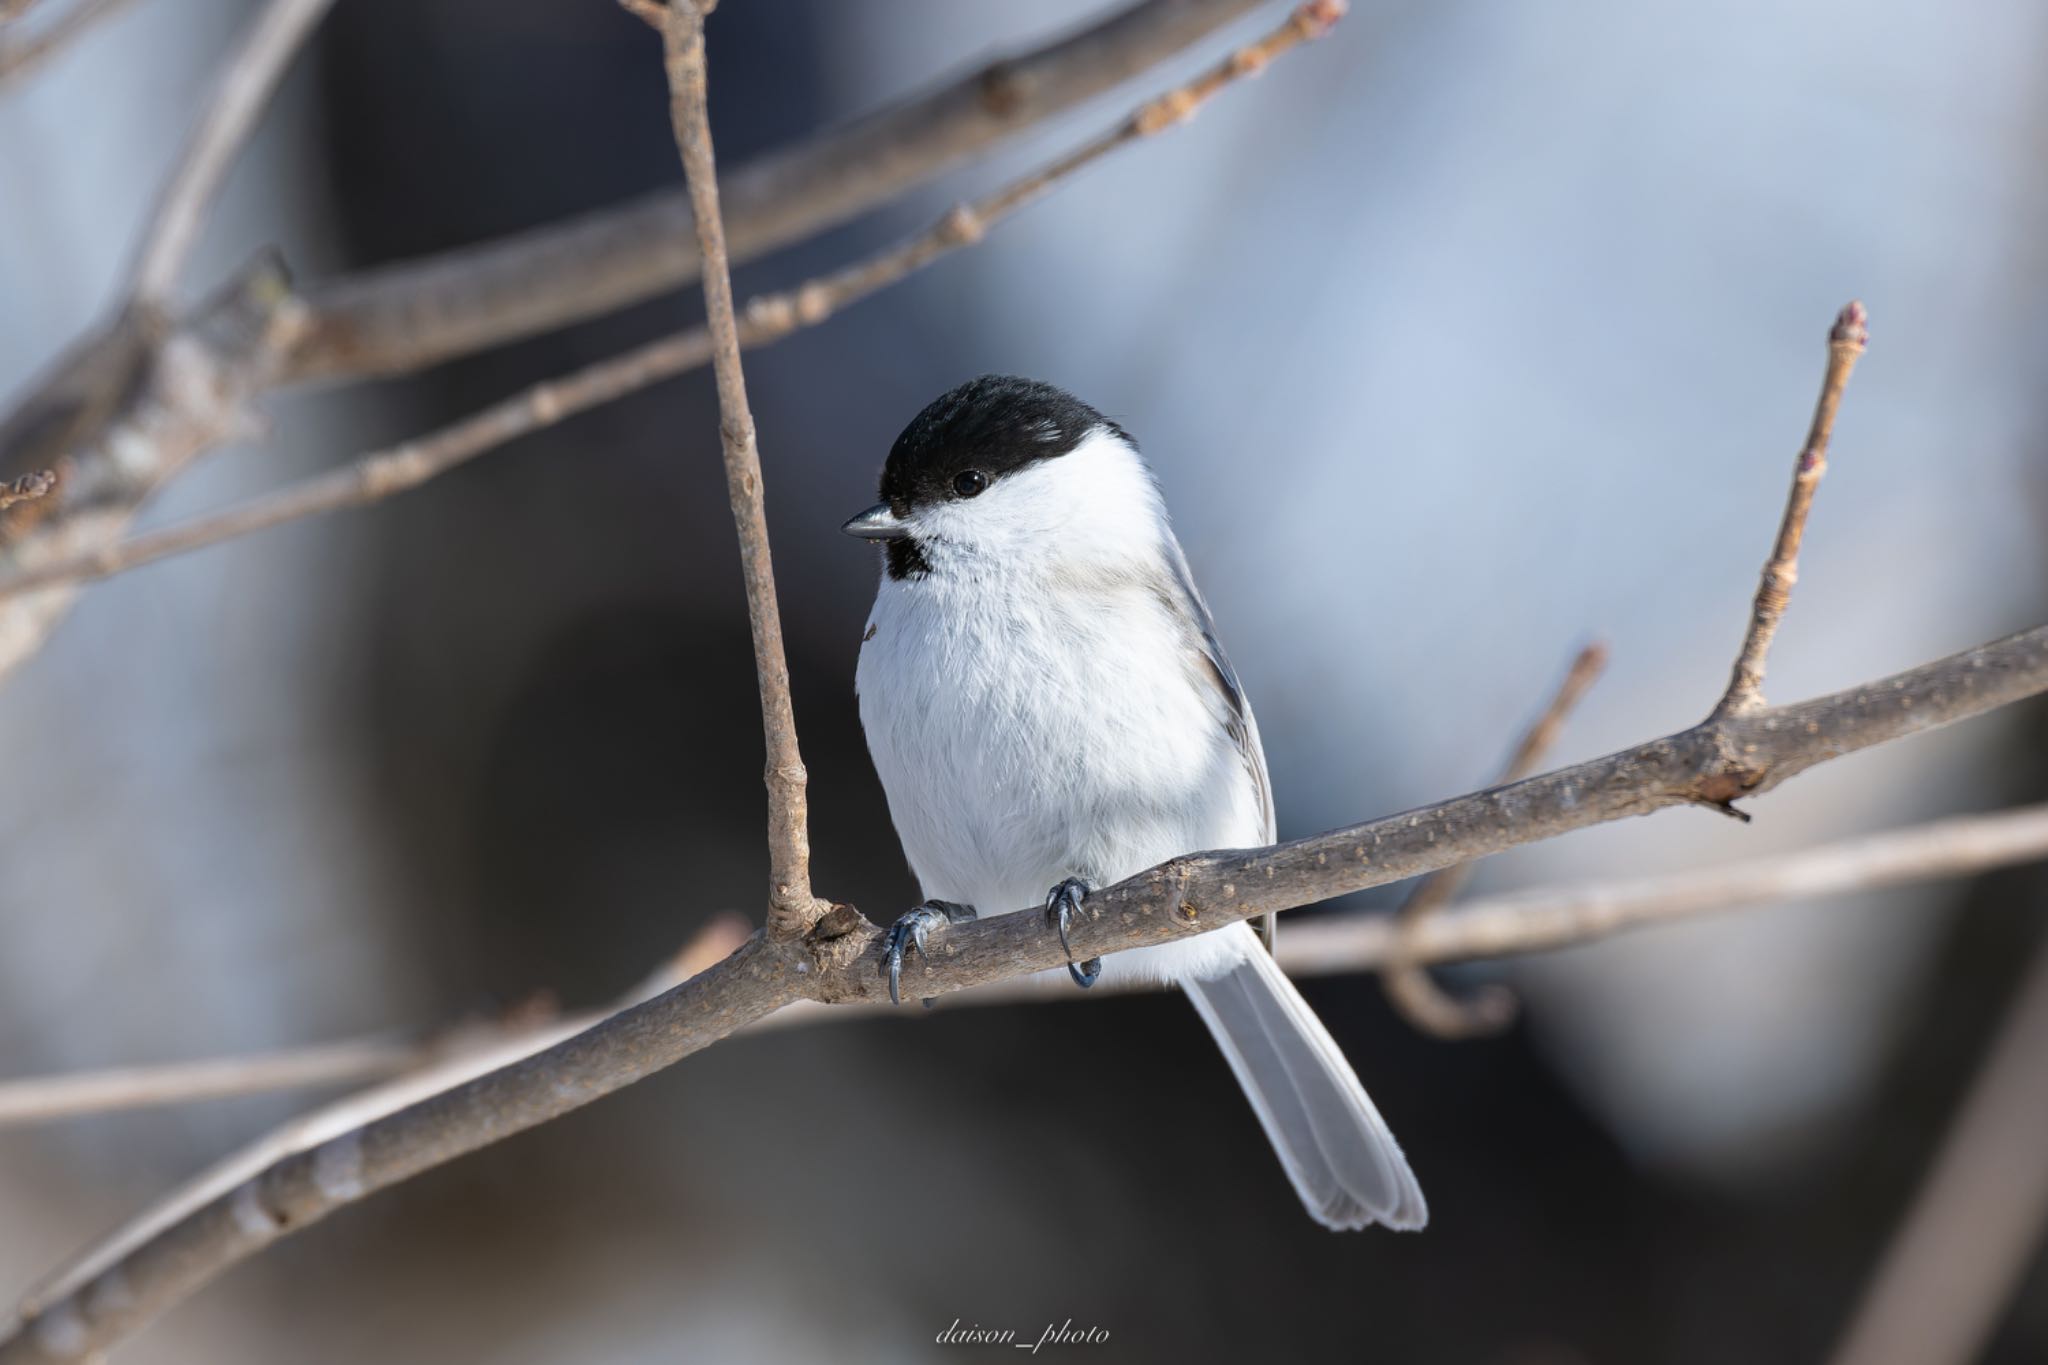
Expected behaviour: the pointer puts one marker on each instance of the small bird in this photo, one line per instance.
(1048, 706)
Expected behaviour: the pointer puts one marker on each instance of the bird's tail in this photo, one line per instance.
(1345, 1165)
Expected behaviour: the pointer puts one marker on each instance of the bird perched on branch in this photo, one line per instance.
(1048, 706)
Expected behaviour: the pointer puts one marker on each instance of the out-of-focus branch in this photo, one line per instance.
(766, 318)
(1490, 927)
(1975, 1226)
(21, 54)
(27, 488)
(246, 82)
(416, 313)
(792, 909)
(1419, 999)
(653, 13)
(127, 408)
(131, 405)
(57, 1097)
(464, 1054)
(1846, 340)
(841, 959)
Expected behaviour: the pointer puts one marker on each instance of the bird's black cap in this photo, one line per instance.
(993, 426)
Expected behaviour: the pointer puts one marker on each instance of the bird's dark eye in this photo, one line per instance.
(968, 483)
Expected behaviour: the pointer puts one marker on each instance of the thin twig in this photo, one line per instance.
(21, 55)
(1976, 1225)
(240, 93)
(1491, 1008)
(1846, 340)
(792, 909)
(766, 319)
(842, 958)
(1490, 927)
(44, 1098)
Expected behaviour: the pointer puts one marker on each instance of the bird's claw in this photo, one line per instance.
(914, 928)
(1061, 903)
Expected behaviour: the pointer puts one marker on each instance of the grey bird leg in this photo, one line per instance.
(915, 927)
(1061, 903)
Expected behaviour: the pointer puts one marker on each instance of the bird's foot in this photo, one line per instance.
(915, 927)
(1061, 903)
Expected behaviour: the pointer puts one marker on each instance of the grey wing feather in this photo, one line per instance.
(1244, 730)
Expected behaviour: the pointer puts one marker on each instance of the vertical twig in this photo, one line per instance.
(792, 909)
(1408, 985)
(243, 88)
(1846, 340)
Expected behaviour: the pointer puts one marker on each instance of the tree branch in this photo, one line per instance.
(1850, 334)
(244, 87)
(44, 1098)
(1409, 987)
(417, 313)
(792, 909)
(766, 318)
(1495, 926)
(105, 416)
(841, 960)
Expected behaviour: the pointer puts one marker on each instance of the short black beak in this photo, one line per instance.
(877, 523)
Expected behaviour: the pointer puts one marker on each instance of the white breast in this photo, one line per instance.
(1027, 731)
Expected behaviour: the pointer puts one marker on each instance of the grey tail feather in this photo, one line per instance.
(1335, 1147)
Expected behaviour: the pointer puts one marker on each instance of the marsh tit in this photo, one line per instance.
(1048, 706)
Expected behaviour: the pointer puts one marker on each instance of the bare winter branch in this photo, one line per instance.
(54, 1097)
(115, 389)
(244, 87)
(840, 960)
(1494, 926)
(766, 318)
(1419, 999)
(792, 909)
(417, 313)
(1846, 340)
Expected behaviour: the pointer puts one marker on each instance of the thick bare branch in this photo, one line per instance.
(22, 53)
(841, 960)
(416, 313)
(1494, 926)
(1419, 999)
(240, 94)
(766, 318)
(792, 909)
(1846, 340)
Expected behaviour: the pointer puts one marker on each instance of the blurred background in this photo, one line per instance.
(1503, 321)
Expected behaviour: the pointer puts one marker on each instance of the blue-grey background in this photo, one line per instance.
(1471, 332)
